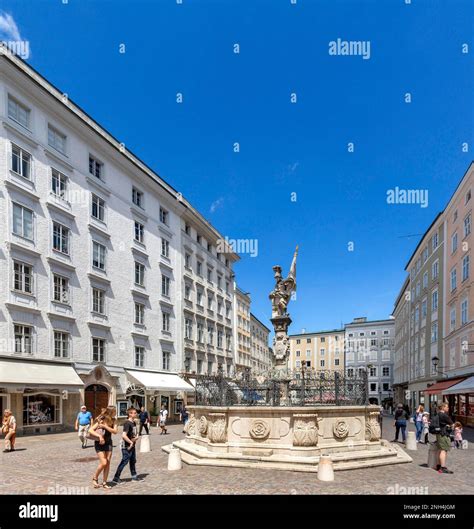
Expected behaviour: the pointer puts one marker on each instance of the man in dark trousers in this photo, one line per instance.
(443, 439)
(144, 418)
(127, 444)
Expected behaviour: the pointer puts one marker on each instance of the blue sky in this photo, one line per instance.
(285, 148)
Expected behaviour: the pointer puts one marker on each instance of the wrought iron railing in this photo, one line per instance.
(293, 388)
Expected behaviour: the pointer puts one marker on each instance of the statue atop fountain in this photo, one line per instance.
(280, 297)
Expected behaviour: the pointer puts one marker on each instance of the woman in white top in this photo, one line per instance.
(419, 422)
(9, 430)
(162, 420)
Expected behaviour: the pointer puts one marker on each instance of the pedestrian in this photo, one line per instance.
(443, 439)
(9, 430)
(103, 428)
(144, 418)
(426, 426)
(162, 419)
(127, 445)
(184, 416)
(83, 423)
(418, 418)
(401, 417)
(457, 427)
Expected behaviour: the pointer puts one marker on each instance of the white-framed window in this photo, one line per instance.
(385, 371)
(322, 351)
(23, 338)
(454, 242)
(209, 274)
(139, 356)
(187, 260)
(187, 293)
(423, 309)
(434, 332)
(435, 241)
(165, 285)
(452, 319)
(188, 328)
(139, 313)
(166, 360)
(219, 281)
(321, 363)
(199, 268)
(99, 252)
(350, 372)
(61, 344)
(199, 296)
(373, 371)
(139, 232)
(137, 197)
(418, 288)
(98, 208)
(60, 289)
(96, 167)
(200, 332)
(56, 139)
(298, 353)
(434, 300)
(465, 267)
(21, 162)
(18, 112)
(435, 269)
(98, 300)
(22, 277)
(139, 274)
(467, 225)
(373, 342)
(165, 321)
(165, 247)
(425, 280)
(453, 279)
(336, 361)
(164, 216)
(464, 311)
(210, 334)
(98, 349)
(22, 221)
(220, 338)
(61, 236)
(59, 184)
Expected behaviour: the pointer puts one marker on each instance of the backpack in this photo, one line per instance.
(434, 426)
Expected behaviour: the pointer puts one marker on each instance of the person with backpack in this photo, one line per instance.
(401, 418)
(441, 424)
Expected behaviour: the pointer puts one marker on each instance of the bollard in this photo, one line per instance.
(433, 456)
(174, 459)
(325, 469)
(145, 444)
(411, 441)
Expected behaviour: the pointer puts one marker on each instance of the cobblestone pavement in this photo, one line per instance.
(56, 464)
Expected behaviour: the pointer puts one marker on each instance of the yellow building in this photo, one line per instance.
(321, 351)
(242, 326)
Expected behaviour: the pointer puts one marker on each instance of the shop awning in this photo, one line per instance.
(441, 386)
(160, 381)
(26, 374)
(466, 386)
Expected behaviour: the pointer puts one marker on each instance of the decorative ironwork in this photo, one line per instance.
(304, 387)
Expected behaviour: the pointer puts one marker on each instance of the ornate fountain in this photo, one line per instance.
(285, 419)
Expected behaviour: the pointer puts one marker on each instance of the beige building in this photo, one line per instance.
(261, 357)
(401, 354)
(242, 326)
(322, 350)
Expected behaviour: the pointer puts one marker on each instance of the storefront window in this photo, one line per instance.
(40, 409)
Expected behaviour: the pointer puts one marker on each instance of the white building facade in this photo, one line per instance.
(94, 259)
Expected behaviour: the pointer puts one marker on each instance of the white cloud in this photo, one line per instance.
(8, 28)
(216, 204)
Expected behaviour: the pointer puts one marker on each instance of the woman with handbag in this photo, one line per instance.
(101, 432)
(9, 430)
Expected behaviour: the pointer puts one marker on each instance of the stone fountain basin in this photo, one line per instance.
(286, 437)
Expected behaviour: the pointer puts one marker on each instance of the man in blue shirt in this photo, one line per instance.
(83, 423)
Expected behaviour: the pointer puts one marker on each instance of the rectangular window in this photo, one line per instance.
(467, 225)
(336, 361)
(199, 296)
(425, 280)
(98, 255)
(464, 312)
(165, 285)
(434, 332)
(18, 112)
(452, 318)
(61, 344)
(435, 241)
(139, 356)
(454, 242)
(465, 267)
(98, 301)
(434, 300)
(139, 232)
(23, 277)
(60, 289)
(321, 363)
(423, 309)
(23, 339)
(200, 332)
(137, 197)
(187, 261)
(435, 270)
(60, 238)
(98, 350)
(98, 208)
(21, 162)
(165, 248)
(188, 328)
(453, 279)
(199, 268)
(95, 167)
(165, 321)
(166, 360)
(210, 335)
(56, 139)
(59, 183)
(220, 336)
(139, 274)
(139, 313)
(22, 221)
(164, 216)
(385, 371)
(187, 292)
(373, 372)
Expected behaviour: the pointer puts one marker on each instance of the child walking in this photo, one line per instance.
(457, 426)
(426, 426)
